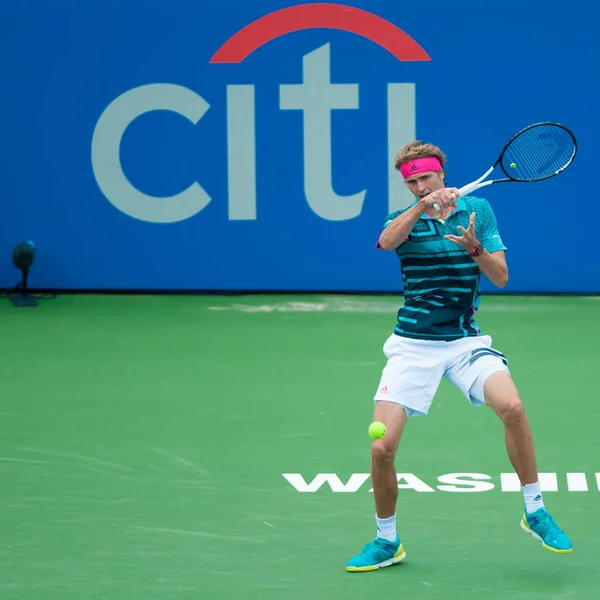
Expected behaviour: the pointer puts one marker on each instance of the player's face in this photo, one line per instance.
(422, 185)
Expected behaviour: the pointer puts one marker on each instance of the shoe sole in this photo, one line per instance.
(398, 557)
(530, 531)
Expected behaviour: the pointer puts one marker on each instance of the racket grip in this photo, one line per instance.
(437, 206)
(466, 189)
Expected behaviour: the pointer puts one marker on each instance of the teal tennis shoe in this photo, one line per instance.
(543, 527)
(377, 554)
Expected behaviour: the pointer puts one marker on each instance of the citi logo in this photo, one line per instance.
(314, 99)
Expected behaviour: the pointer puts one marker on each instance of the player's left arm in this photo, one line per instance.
(493, 266)
(489, 247)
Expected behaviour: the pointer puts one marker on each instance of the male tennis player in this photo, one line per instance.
(443, 253)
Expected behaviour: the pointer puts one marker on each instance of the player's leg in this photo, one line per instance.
(477, 365)
(482, 374)
(501, 395)
(386, 549)
(407, 386)
(383, 469)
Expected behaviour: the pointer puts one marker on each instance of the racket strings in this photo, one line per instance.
(538, 153)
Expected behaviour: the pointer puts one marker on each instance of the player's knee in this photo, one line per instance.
(513, 410)
(382, 451)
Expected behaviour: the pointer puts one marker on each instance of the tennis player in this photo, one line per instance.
(443, 253)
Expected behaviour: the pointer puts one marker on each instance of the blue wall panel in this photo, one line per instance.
(147, 146)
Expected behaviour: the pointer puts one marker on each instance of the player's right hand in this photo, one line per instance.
(444, 198)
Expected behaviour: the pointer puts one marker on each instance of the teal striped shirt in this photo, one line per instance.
(441, 281)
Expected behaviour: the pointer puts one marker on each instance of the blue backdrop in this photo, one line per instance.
(239, 146)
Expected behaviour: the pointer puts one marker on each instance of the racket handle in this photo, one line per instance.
(466, 189)
(470, 187)
(437, 206)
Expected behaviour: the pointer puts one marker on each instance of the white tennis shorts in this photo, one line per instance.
(415, 368)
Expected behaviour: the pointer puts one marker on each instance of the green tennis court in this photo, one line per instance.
(156, 447)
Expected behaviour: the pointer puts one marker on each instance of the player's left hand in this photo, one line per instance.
(468, 239)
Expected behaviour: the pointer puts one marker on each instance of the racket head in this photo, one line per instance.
(538, 152)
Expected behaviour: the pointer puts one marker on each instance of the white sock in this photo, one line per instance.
(386, 528)
(533, 497)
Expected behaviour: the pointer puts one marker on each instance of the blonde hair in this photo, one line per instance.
(418, 149)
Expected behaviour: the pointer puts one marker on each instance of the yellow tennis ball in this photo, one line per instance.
(376, 430)
(513, 166)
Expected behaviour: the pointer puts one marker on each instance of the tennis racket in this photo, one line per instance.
(538, 152)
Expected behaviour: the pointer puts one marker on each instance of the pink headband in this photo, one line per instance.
(420, 165)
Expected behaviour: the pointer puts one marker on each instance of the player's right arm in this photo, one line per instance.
(397, 231)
